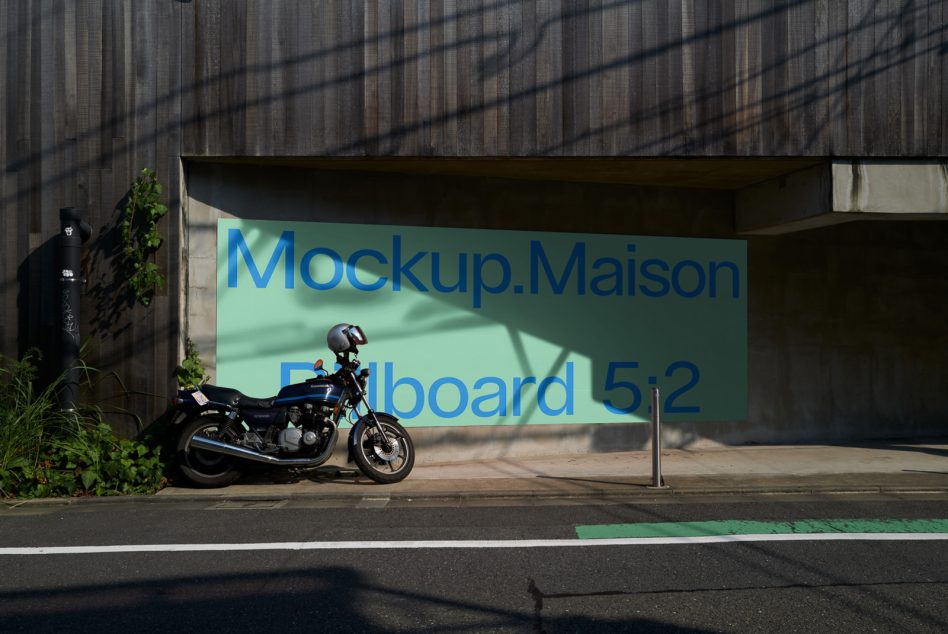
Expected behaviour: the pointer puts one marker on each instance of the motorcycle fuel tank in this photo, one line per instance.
(320, 390)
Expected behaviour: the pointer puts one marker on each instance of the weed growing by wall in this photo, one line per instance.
(47, 452)
(141, 237)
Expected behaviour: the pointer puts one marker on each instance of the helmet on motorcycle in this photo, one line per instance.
(345, 337)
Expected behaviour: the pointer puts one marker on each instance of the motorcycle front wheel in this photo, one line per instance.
(385, 460)
(205, 469)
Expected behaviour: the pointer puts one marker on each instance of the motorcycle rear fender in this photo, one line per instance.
(357, 428)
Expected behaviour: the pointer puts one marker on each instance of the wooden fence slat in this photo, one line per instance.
(548, 119)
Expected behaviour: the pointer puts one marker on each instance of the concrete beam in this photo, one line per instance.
(842, 191)
(793, 202)
(897, 188)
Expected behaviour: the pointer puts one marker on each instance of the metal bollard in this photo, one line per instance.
(657, 481)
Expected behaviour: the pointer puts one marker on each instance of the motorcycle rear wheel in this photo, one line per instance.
(205, 469)
(384, 463)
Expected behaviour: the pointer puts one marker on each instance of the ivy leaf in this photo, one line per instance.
(142, 238)
(89, 476)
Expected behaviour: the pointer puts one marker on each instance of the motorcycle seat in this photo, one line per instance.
(256, 403)
(235, 398)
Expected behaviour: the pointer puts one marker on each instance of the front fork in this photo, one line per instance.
(362, 399)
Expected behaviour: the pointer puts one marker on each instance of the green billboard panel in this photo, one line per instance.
(485, 327)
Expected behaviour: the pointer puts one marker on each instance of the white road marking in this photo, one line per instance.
(467, 544)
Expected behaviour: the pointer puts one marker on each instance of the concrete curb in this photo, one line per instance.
(872, 468)
(604, 489)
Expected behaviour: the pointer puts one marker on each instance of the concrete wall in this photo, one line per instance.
(847, 332)
(846, 323)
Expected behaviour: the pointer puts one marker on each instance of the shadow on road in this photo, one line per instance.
(331, 598)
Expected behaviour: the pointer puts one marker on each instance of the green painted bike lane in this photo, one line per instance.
(754, 527)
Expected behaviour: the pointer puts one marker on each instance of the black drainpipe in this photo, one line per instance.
(73, 233)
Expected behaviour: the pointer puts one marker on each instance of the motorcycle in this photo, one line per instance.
(220, 430)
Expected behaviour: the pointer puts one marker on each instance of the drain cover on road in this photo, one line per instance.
(373, 502)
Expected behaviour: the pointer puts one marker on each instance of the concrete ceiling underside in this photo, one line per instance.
(712, 173)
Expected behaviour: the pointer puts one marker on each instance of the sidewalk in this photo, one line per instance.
(885, 467)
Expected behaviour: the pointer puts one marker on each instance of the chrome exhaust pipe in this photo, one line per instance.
(209, 444)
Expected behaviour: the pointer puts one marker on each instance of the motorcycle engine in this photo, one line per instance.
(293, 439)
(294, 414)
(301, 437)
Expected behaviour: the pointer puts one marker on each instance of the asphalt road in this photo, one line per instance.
(798, 586)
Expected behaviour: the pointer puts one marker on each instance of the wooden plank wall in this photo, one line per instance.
(565, 78)
(94, 90)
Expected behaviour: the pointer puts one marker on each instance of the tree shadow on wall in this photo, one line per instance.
(38, 308)
(223, 96)
(108, 284)
(111, 319)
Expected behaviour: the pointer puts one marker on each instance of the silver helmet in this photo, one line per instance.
(344, 338)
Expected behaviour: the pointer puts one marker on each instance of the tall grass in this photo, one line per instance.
(28, 419)
(45, 451)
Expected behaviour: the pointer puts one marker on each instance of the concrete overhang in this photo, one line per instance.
(711, 173)
(842, 191)
(772, 196)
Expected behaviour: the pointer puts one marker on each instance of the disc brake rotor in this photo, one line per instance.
(383, 452)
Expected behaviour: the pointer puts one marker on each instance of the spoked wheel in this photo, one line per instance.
(386, 460)
(206, 469)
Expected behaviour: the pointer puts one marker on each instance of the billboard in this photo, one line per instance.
(487, 327)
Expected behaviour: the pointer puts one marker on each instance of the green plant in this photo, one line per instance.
(87, 459)
(27, 417)
(141, 237)
(191, 371)
(46, 452)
